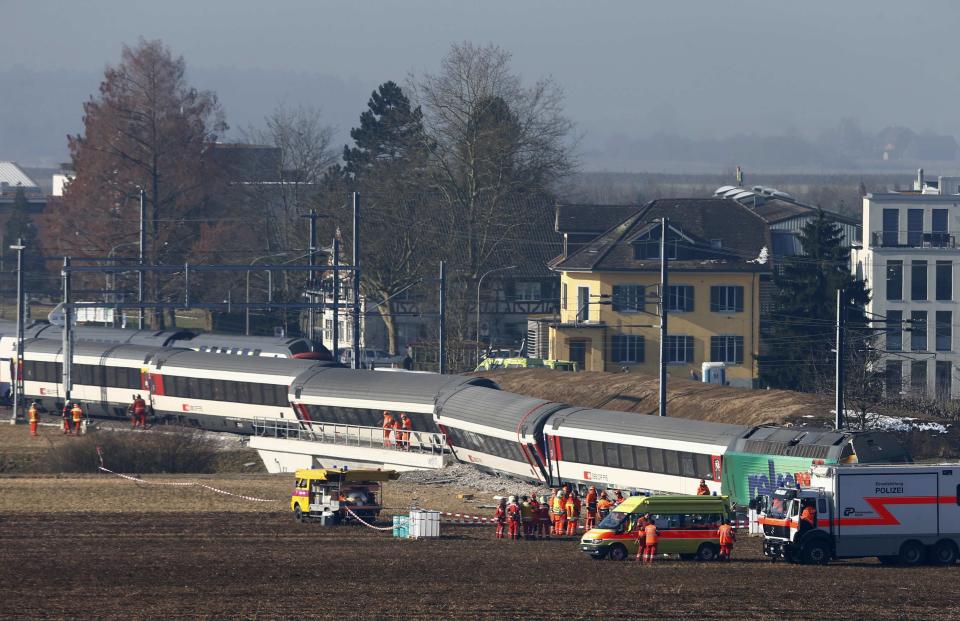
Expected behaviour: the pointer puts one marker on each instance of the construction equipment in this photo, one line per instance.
(337, 495)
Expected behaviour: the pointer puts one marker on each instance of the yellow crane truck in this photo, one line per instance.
(337, 495)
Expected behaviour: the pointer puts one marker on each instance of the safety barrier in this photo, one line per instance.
(424, 442)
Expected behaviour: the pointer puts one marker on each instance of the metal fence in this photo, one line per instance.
(352, 435)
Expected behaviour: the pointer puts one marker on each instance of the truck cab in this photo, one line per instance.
(796, 525)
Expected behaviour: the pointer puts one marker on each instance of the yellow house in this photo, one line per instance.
(609, 306)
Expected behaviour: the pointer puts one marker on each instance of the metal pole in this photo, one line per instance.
(246, 311)
(143, 244)
(356, 280)
(310, 278)
(336, 299)
(442, 341)
(841, 324)
(479, 282)
(67, 348)
(664, 300)
(18, 359)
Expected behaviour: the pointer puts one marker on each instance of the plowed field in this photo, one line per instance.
(263, 565)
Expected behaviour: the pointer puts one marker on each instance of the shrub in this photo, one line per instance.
(168, 451)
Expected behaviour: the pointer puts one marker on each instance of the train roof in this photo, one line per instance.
(189, 359)
(421, 388)
(101, 334)
(113, 351)
(497, 409)
(820, 443)
(647, 426)
(264, 343)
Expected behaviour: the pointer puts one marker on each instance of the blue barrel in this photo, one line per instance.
(401, 526)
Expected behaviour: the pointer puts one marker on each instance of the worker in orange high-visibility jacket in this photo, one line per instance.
(727, 538)
(34, 417)
(617, 497)
(703, 490)
(76, 413)
(513, 518)
(65, 415)
(808, 518)
(407, 425)
(604, 505)
(591, 501)
(559, 512)
(650, 536)
(140, 412)
(387, 428)
(639, 526)
(397, 433)
(572, 507)
(500, 517)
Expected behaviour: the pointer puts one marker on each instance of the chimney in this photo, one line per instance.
(920, 179)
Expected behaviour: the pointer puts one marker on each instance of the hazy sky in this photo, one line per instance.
(703, 68)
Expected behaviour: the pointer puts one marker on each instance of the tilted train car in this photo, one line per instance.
(497, 431)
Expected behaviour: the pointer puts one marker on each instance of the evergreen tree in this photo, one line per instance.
(20, 226)
(805, 309)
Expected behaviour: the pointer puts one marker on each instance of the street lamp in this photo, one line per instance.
(247, 309)
(480, 282)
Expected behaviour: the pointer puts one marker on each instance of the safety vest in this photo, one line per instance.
(558, 505)
(703, 490)
(33, 414)
(388, 422)
(727, 535)
(77, 413)
(406, 423)
(513, 512)
(139, 406)
(525, 511)
(573, 511)
(603, 506)
(650, 534)
(501, 513)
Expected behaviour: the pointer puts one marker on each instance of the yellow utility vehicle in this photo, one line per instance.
(688, 526)
(335, 495)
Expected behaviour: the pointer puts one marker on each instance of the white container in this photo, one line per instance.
(424, 524)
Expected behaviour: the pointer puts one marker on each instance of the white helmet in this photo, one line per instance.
(512, 499)
(543, 499)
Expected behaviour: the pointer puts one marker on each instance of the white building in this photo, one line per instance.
(909, 260)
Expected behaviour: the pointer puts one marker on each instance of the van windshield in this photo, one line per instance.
(614, 520)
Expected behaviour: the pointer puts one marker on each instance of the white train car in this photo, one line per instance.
(497, 431)
(634, 451)
(222, 393)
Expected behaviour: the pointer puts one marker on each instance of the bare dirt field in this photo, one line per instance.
(263, 565)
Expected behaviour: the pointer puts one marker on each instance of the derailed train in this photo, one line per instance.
(521, 436)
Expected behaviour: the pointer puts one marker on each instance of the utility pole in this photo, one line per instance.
(311, 261)
(664, 300)
(336, 299)
(67, 348)
(841, 325)
(18, 359)
(143, 244)
(356, 280)
(442, 340)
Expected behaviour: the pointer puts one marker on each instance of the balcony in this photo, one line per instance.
(912, 239)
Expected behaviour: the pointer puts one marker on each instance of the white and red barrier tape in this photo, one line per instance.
(188, 484)
(361, 520)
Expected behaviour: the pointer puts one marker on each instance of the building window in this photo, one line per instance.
(528, 291)
(918, 330)
(939, 237)
(679, 349)
(726, 299)
(583, 303)
(914, 227)
(918, 280)
(893, 381)
(680, 299)
(894, 330)
(944, 331)
(628, 298)
(726, 349)
(563, 301)
(627, 348)
(943, 380)
(944, 280)
(894, 280)
(918, 377)
(891, 227)
(647, 246)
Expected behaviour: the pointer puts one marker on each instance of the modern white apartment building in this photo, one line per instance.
(909, 259)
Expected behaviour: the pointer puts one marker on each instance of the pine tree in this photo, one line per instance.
(805, 309)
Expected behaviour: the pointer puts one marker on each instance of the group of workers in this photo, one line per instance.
(73, 413)
(559, 515)
(398, 429)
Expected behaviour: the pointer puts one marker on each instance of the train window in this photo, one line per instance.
(686, 465)
(206, 389)
(566, 449)
(626, 456)
(581, 451)
(704, 468)
(642, 458)
(611, 454)
(299, 347)
(672, 462)
(656, 460)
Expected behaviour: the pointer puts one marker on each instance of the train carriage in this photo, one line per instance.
(497, 431)
(222, 393)
(635, 451)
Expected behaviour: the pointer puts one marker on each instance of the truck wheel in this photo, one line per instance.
(944, 552)
(706, 552)
(617, 553)
(297, 513)
(816, 552)
(911, 554)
